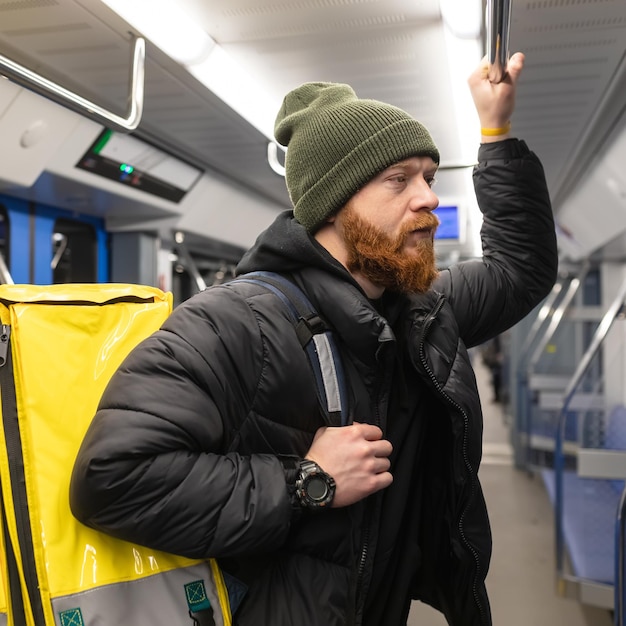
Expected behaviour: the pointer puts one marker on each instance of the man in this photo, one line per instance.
(207, 428)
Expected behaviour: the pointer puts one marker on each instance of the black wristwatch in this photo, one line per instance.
(314, 487)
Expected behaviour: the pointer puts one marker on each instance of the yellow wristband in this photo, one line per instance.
(494, 132)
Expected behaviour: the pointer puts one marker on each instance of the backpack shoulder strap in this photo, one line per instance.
(317, 340)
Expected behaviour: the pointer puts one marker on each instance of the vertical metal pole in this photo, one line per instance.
(498, 30)
(620, 546)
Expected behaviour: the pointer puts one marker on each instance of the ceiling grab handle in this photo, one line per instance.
(498, 30)
(272, 158)
(44, 87)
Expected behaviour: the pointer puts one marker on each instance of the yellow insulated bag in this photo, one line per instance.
(4, 606)
(59, 346)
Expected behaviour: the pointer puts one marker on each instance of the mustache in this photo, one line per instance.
(426, 221)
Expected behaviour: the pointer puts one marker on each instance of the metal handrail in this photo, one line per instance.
(272, 158)
(44, 87)
(522, 393)
(5, 275)
(598, 338)
(188, 262)
(620, 548)
(58, 255)
(525, 393)
(498, 31)
(547, 309)
(557, 317)
(559, 461)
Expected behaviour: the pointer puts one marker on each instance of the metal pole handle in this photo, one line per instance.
(272, 158)
(37, 83)
(620, 548)
(498, 31)
(5, 275)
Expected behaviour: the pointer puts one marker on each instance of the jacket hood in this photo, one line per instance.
(285, 246)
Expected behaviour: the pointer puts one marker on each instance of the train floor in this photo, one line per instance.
(521, 580)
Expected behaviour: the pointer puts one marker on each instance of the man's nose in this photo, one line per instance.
(424, 198)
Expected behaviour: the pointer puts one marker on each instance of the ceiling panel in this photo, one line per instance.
(88, 51)
(390, 50)
(573, 48)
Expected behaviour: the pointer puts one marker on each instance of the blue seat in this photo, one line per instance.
(589, 513)
(590, 510)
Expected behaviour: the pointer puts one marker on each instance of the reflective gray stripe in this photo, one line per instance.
(329, 373)
(3, 619)
(156, 599)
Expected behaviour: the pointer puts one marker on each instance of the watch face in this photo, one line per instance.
(316, 488)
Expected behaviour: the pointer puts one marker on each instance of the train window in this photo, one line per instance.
(591, 292)
(185, 280)
(74, 252)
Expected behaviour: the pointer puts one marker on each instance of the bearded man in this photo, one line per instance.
(204, 432)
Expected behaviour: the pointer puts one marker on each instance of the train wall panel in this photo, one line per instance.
(594, 213)
(227, 212)
(32, 130)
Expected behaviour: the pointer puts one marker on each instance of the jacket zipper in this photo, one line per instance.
(470, 471)
(363, 559)
(15, 459)
(369, 505)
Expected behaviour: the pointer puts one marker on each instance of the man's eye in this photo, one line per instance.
(431, 180)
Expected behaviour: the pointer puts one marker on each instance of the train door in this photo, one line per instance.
(46, 245)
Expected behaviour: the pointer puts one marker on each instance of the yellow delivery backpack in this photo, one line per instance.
(4, 576)
(59, 346)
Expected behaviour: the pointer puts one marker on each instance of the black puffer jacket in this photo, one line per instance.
(194, 444)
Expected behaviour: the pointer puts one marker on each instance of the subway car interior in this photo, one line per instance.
(136, 146)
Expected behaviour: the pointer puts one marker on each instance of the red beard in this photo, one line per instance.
(382, 259)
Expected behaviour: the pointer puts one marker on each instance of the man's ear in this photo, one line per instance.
(332, 219)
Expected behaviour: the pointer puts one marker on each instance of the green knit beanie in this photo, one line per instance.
(337, 143)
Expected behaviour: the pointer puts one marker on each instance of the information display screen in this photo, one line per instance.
(449, 228)
(135, 163)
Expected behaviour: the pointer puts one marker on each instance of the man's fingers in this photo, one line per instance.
(515, 65)
(517, 60)
(382, 464)
(370, 432)
(356, 456)
(382, 448)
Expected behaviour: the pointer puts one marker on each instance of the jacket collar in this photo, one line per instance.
(349, 312)
(285, 247)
